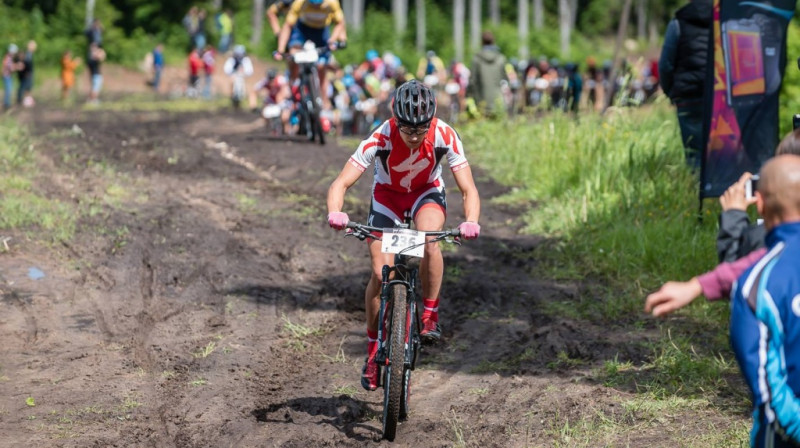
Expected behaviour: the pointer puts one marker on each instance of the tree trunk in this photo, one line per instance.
(458, 28)
(258, 21)
(565, 26)
(494, 12)
(522, 27)
(421, 25)
(538, 14)
(89, 12)
(347, 8)
(474, 24)
(641, 19)
(621, 32)
(358, 14)
(400, 12)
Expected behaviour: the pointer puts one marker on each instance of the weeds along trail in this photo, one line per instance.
(203, 302)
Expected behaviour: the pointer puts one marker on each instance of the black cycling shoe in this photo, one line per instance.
(431, 332)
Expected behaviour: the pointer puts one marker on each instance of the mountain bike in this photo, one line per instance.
(310, 104)
(399, 320)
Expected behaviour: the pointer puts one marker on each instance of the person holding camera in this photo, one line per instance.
(765, 310)
(718, 283)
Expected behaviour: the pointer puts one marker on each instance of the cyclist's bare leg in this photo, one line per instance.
(432, 265)
(323, 86)
(372, 300)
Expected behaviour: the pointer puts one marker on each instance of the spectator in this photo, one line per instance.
(94, 34)
(25, 75)
(225, 26)
(765, 311)
(96, 57)
(718, 283)
(9, 67)
(195, 65)
(158, 65)
(209, 59)
(431, 69)
(199, 37)
(68, 67)
(574, 87)
(682, 72)
(487, 72)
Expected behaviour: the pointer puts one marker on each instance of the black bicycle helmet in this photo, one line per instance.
(414, 104)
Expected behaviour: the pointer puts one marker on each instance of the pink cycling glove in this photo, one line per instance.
(469, 230)
(338, 220)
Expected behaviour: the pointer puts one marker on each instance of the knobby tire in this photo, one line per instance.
(316, 123)
(395, 371)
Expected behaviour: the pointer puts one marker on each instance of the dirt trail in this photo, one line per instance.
(168, 321)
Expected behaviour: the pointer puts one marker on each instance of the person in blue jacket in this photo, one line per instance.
(765, 311)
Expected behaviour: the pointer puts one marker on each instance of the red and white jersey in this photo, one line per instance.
(400, 169)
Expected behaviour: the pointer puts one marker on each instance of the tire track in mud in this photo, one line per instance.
(21, 302)
(145, 319)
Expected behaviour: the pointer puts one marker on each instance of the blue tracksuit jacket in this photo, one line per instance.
(765, 336)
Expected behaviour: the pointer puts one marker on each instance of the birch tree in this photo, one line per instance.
(458, 28)
(522, 27)
(358, 15)
(89, 12)
(400, 12)
(474, 24)
(258, 21)
(494, 12)
(538, 14)
(641, 19)
(564, 25)
(421, 25)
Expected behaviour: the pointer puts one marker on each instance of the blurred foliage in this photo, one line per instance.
(133, 27)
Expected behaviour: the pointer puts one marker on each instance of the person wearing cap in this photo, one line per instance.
(9, 67)
(404, 153)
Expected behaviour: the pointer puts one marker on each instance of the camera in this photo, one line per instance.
(751, 186)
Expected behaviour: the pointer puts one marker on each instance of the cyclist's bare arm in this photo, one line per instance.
(272, 17)
(283, 37)
(347, 177)
(339, 33)
(469, 192)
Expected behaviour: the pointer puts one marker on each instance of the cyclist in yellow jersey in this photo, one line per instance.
(310, 20)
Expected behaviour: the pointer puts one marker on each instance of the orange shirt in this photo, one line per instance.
(68, 66)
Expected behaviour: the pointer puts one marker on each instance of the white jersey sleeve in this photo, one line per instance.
(446, 137)
(379, 140)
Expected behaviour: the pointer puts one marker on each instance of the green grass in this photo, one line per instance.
(619, 207)
(22, 205)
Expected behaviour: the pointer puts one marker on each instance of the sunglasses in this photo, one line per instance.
(414, 131)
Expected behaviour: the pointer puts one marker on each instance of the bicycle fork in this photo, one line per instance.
(412, 323)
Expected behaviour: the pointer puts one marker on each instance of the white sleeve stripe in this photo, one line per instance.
(748, 284)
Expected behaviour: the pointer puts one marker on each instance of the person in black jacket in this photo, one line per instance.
(737, 236)
(682, 70)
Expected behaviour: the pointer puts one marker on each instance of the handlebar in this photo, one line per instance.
(320, 50)
(362, 231)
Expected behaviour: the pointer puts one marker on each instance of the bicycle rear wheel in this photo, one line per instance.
(395, 371)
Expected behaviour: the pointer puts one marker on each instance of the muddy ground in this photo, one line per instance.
(208, 305)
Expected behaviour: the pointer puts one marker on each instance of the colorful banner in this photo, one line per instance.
(749, 62)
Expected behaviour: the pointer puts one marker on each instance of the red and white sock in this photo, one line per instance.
(372, 342)
(431, 311)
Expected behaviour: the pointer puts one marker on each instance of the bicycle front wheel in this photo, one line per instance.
(395, 371)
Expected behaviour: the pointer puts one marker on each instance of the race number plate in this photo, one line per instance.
(407, 241)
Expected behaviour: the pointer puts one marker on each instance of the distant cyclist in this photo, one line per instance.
(405, 154)
(238, 67)
(274, 91)
(310, 20)
(431, 70)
